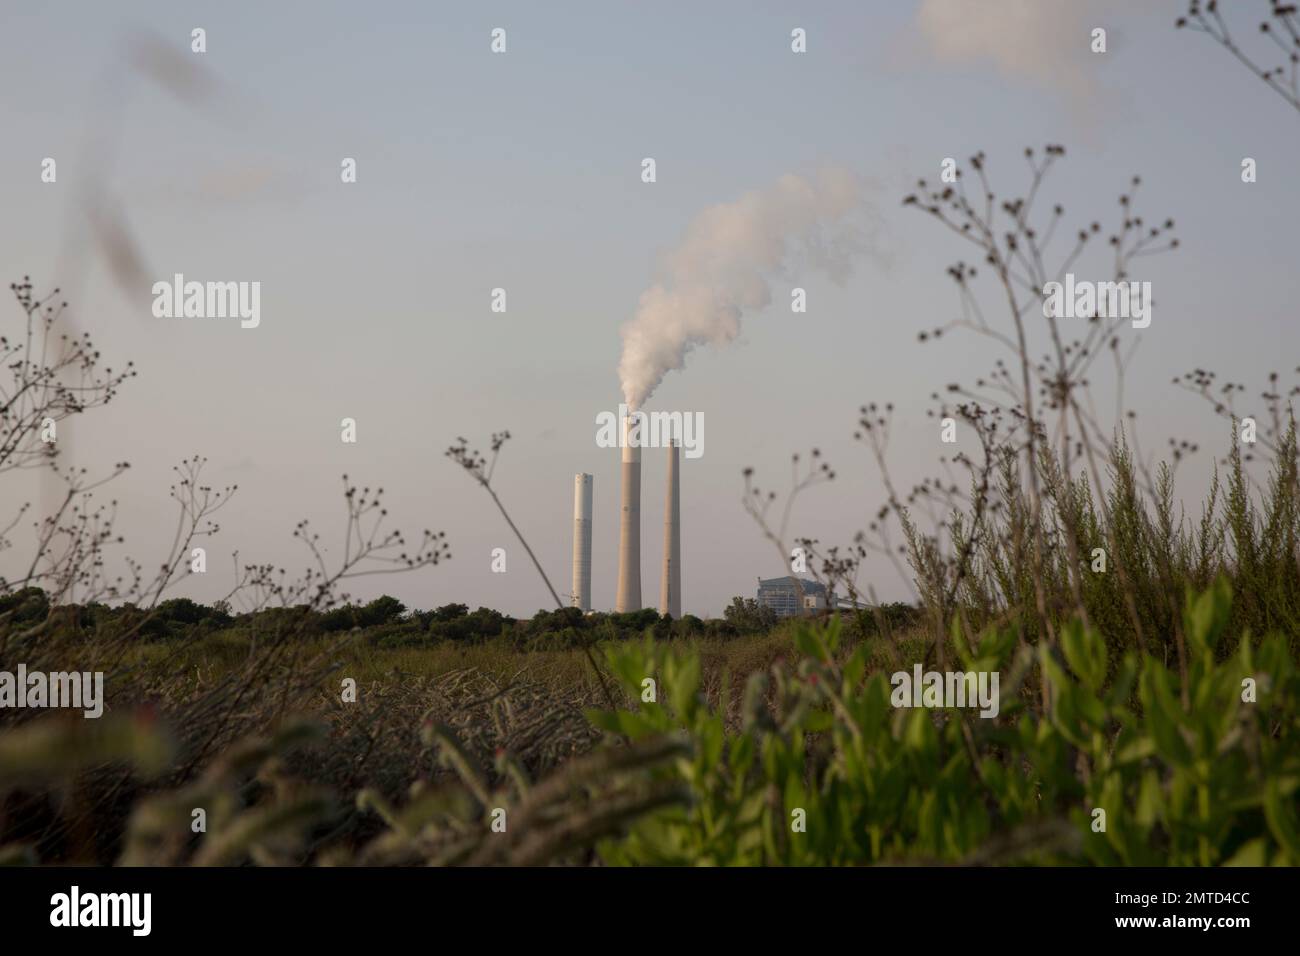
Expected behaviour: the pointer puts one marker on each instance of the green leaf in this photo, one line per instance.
(805, 640)
(1281, 817)
(633, 724)
(1085, 651)
(1252, 853)
(854, 668)
(683, 678)
(1206, 616)
(1161, 714)
(996, 643)
(1150, 800)
(818, 721)
(1134, 750)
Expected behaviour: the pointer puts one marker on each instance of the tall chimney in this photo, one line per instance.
(582, 541)
(629, 530)
(670, 587)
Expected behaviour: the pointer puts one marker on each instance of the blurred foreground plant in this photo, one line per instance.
(1206, 782)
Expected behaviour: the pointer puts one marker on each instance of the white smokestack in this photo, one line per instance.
(670, 588)
(629, 529)
(723, 265)
(582, 541)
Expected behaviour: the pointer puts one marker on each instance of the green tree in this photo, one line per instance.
(747, 616)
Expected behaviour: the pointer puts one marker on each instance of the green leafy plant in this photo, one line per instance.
(1186, 774)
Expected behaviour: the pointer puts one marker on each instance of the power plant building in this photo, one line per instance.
(783, 596)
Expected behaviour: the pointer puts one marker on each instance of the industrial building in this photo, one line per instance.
(783, 596)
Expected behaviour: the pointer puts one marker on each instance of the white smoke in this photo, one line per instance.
(1045, 42)
(723, 265)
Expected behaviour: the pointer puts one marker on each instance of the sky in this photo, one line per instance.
(522, 170)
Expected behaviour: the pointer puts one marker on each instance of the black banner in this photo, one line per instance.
(326, 905)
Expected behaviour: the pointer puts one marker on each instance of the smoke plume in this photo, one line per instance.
(722, 268)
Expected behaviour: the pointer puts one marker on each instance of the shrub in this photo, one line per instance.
(747, 616)
(884, 620)
(382, 610)
(27, 605)
(1187, 774)
(688, 626)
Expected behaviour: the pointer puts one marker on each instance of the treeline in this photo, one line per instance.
(387, 622)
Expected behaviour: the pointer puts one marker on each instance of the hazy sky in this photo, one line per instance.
(523, 171)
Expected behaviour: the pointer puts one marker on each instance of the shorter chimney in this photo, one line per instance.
(670, 588)
(582, 541)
